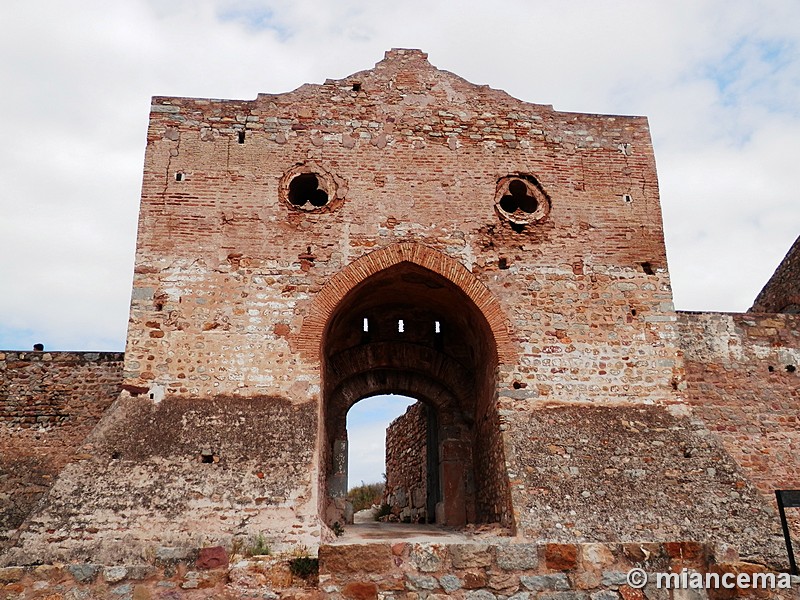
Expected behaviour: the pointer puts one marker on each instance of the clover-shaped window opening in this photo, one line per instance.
(518, 198)
(521, 201)
(305, 189)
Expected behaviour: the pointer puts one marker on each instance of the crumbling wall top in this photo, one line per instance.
(781, 294)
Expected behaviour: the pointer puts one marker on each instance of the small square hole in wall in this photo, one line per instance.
(356, 87)
(627, 198)
(180, 176)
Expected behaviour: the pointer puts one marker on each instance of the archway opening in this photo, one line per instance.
(369, 423)
(407, 330)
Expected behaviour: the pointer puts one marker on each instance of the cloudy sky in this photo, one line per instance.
(718, 79)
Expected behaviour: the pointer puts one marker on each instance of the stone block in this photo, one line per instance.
(126, 589)
(139, 572)
(604, 595)
(596, 555)
(215, 557)
(474, 580)
(374, 558)
(428, 558)
(561, 557)
(614, 578)
(360, 590)
(502, 583)
(649, 593)
(114, 574)
(686, 553)
(469, 556)
(517, 557)
(537, 583)
(83, 573)
(450, 583)
(421, 582)
(11, 574)
(480, 595)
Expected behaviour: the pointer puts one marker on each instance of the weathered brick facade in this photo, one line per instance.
(405, 231)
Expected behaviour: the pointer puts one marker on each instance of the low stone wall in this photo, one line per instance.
(406, 464)
(526, 571)
(171, 572)
(405, 571)
(49, 402)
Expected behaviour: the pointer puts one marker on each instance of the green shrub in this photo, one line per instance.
(365, 495)
(304, 567)
(384, 511)
(258, 546)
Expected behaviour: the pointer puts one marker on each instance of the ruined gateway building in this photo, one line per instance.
(282, 241)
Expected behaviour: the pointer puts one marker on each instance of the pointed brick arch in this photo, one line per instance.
(313, 329)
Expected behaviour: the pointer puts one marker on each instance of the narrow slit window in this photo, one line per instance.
(366, 324)
(437, 327)
(241, 137)
(400, 326)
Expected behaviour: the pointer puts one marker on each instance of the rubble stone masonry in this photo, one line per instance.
(743, 377)
(782, 292)
(406, 464)
(49, 402)
(480, 569)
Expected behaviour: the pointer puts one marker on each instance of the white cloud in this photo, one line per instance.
(719, 81)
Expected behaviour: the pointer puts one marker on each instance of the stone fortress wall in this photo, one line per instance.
(49, 402)
(404, 231)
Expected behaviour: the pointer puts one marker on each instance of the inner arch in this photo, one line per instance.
(410, 331)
